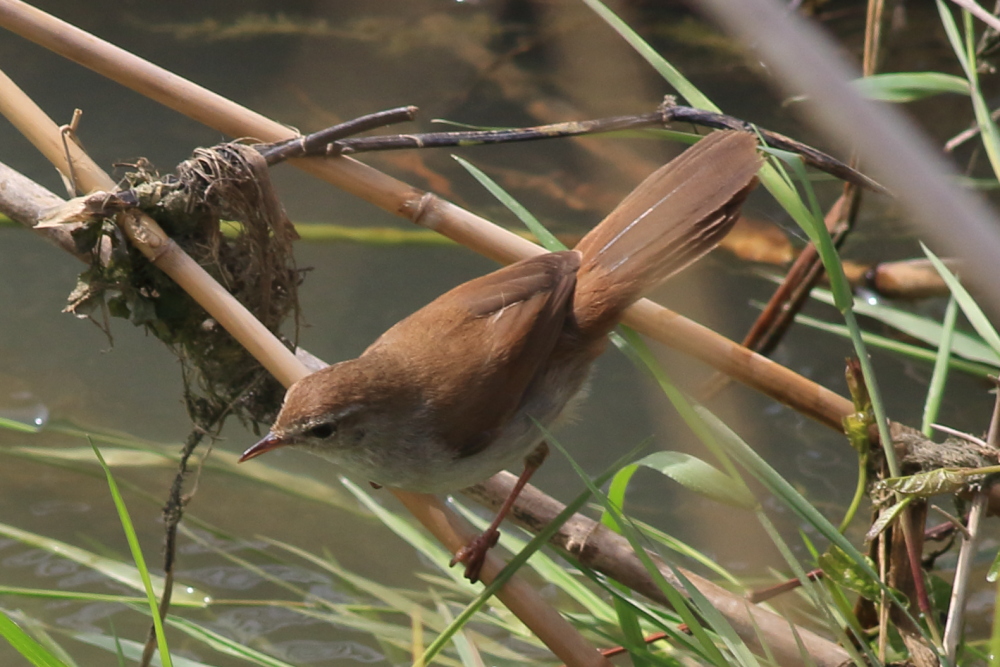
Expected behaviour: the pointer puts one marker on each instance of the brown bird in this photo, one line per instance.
(451, 395)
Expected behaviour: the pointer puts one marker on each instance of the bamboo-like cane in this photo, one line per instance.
(430, 211)
(592, 545)
(561, 637)
(425, 209)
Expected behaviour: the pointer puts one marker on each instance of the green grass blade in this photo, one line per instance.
(695, 475)
(132, 650)
(38, 629)
(545, 237)
(779, 188)
(719, 624)
(892, 345)
(994, 642)
(935, 390)
(467, 651)
(20, 426)
(224, 645)
(51, 594)
(26, 645)
(965, 53)
(922, 328)
(522, 556)
(684, 88)
(410, 534)
(140, 561)
(909, 86)
(549, 570)
(638, 351)
(988, 130)
(977, 318)
(117, 570)
(674, 597)
(778, 486)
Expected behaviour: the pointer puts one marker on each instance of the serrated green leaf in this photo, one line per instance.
(931, 482)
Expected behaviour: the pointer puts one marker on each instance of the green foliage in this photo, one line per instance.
(909, 86)
(26, 645)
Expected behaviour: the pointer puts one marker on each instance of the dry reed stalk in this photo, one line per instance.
(69, 158)
(594, 546)
(547, 624)
(805, 62)
(604, 550)
(401, 199)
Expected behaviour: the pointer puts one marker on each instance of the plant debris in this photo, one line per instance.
(226, 182)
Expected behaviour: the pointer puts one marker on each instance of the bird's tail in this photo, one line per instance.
(679, 213)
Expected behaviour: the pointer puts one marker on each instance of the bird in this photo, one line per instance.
(455, 392)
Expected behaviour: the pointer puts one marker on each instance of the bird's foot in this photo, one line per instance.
(473, 554)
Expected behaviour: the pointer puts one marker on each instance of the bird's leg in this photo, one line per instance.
(473, 554)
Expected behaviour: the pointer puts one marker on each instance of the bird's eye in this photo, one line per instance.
(322, 431)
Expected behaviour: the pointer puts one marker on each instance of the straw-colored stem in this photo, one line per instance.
(401, 199)
(602, 549)
(598, 548)
(143, 231)
(805, 62)
(456, 533)
(31, 205)
(564, 641)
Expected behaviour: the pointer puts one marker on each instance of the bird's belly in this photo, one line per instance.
(428, 466)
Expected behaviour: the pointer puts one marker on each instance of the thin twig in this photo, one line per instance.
(318, 142)
(963, 571)
(321, 144)
(960, 434)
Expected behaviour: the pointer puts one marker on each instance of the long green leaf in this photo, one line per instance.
(777, 485)
(977, 318)
(685, 88)
(909, 86)
(695, 475)
(893, 345)
(140, 560)
(922, 328)
(935, 389)
(20, 426)
(132, 650)
(965, 53)
(674, 597)
(545, 237)
(124, 573)
(33, 652)
(779, 188)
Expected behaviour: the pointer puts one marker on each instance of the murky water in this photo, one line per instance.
(484, 63)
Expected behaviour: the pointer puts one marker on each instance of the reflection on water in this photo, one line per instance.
(248, 623)
(487, 63)
(308, 651)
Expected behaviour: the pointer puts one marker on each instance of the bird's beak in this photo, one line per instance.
(267, 443)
